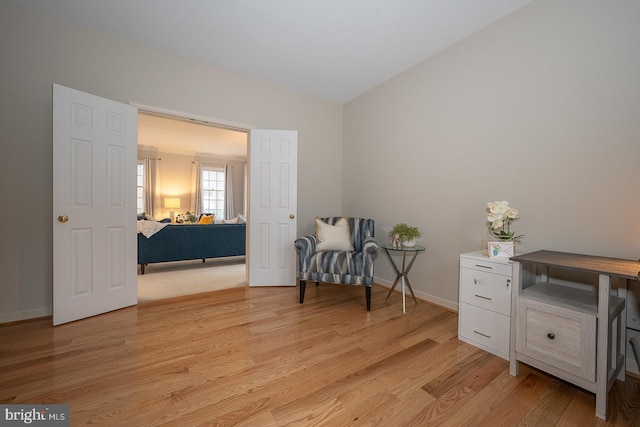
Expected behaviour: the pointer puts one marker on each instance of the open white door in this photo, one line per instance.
(273, 166)
(94, 205)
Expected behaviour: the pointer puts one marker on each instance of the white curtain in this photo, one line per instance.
(229, 210)
(196, 188)
(152, 202)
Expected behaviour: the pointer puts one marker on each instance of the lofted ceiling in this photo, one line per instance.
(332, 49)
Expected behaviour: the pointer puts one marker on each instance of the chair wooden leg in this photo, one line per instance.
(368, 291)
(303, 285)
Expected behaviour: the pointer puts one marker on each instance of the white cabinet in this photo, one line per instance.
(484, 306)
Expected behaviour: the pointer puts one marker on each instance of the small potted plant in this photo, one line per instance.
(406, 234)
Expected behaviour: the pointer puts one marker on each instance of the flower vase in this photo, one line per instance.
(502, 249)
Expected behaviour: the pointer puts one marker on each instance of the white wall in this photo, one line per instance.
(541, 109)
(175, 181)
(37, 51)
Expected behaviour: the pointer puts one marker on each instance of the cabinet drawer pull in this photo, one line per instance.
(551, 335)
(483, 297)
(480, 333)
(484, 266)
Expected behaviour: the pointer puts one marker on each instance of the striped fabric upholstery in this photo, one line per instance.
(352, 268)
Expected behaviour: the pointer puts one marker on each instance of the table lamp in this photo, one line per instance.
(172, 203)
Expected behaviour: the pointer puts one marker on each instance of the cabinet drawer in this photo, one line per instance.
(485, 327)
(486, 265)
(486, 290)
(557, 336)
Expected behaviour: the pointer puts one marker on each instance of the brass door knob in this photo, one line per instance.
(63, 218)
(292, 216)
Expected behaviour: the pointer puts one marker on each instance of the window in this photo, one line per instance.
(213, 187)
(140, 187)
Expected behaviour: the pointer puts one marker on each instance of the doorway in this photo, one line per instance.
(177, 144)
(273, 155)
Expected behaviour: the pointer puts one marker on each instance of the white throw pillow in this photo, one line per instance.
(333, 237)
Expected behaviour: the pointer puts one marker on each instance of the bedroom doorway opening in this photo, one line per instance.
(173, 150)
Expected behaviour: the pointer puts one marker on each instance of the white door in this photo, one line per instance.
(273, 165)
(94, 205)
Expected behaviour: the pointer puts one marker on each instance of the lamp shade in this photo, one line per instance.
(171, 202)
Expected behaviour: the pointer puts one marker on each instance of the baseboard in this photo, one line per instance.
(48, 311)
(25, 315)
(449, 305)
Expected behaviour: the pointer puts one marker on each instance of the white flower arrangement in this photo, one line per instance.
(501, 215)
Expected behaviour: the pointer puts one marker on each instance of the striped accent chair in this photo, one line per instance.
(339, 267)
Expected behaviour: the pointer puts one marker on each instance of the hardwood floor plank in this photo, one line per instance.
(548, 409)
(256, 357)
(262, 419)
(439, 360)
(578, 412)
(443, 383)
(513, 408)
(460, 384)
(393, 412)
(483, 403)
(331, 399)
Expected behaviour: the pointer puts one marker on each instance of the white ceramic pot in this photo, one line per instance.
(409, 243)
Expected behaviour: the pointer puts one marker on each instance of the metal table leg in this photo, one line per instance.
(402, 276)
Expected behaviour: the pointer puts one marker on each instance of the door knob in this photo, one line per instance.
(63, 218)
(292, 216)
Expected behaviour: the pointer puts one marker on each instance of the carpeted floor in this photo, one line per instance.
(172, 279)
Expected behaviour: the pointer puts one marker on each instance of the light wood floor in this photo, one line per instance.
(255, 357)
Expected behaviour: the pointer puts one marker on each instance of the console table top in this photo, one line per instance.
(624, 268)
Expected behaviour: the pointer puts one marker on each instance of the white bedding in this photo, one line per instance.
(149, 228)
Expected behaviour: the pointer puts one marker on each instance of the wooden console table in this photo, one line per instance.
(570, 332)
